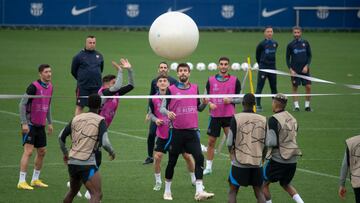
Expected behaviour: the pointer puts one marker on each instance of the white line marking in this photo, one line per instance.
(142, 138)
(65, 123)
(318, 173)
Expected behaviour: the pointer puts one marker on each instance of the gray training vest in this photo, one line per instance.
(84, 135)
(287, 144)
(353, 145)
(250, 138)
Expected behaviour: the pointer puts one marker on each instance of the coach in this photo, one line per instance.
(298, 58)
(86, 68)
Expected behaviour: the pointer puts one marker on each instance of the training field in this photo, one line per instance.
(321, 133)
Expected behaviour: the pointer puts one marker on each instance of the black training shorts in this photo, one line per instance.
(36, 136)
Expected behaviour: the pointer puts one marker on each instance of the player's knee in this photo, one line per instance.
(28, 152)
(41, 152)
(157, 156)
(211, 142)
(187, 156)
(285, 185)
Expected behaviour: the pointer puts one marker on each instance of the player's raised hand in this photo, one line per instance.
(124, 63)
(116, 65)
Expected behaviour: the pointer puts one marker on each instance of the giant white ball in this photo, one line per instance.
(173, 35)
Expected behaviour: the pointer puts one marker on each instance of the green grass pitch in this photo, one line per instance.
(321, 133)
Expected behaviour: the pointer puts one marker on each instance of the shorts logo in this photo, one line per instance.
(228, 11)
(36, 9)
(132, 10)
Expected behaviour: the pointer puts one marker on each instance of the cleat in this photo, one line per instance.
(309, 109)
(78, 194)
(157, 186)
(87, 195)
(38, 183)
(207, 171)
(148, 160)
(296, 109)
(24, 186)
(167, 196)
(259, 109)
(199, 196)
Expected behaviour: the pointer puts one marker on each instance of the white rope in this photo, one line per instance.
(8, 96)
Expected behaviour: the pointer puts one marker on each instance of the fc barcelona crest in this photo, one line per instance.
(36, 9)
(132, 10)
(228, 11)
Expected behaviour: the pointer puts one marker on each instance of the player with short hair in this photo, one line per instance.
(266, 58)
(86, 68)
(298, 59)
(351, 163)
(88, 133)
(283, 149)
(162, 134)
(112, 86)
(163, 69)
(33, 115)
(221, 109)
(246, 144)
(184, 133)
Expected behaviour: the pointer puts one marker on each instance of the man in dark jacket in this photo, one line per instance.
(86, 68)
(298, 59)
(265, 56)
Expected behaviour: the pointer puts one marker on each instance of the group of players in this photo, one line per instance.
(298, 59)
(176, 124)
